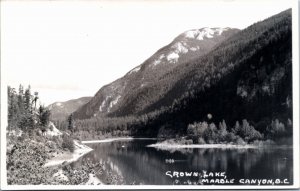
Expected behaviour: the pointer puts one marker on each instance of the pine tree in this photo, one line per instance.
(36, 97)
(70, 122)
(44, 115)
(21, 99)
(237, 128)
(12, 107)
(223, 130)
(27, 100)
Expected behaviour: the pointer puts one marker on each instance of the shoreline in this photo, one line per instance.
(181, 146)
(116, 139)
(80, 150)
(167, 146)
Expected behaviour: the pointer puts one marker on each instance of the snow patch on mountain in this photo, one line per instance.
(103, 103)
(158, 61)
(194, 49)
(200, 34)
(183, 47)
(58, 104)
(114, 102)
(191, 33)
(206, 32)
(173, 57)
(180, 47)
(109, 102)
(221, 30)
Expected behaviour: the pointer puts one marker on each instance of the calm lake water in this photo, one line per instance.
(139, 164)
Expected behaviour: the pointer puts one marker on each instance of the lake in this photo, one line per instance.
(139, 164)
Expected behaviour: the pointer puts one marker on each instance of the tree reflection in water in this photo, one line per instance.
(139, 164)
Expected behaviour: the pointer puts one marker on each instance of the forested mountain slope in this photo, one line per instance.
(187, 46)
(248, 76)
(250, 50)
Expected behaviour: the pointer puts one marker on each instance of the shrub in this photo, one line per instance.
(237, 128)
(201, 127)
(210, 134)
(189, 142)
(201, 141)
(58, 140)
(222, 133)
(254, 135)
(247, 132)
(165, 132)
(68, 143)
(246, 128)
(269, 142)
(230, 137)
(180, 141)
(258, 143)
(276, 129)
(192, 131)
(25, 164)
(240, 141)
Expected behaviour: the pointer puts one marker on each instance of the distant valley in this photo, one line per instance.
(61, 110)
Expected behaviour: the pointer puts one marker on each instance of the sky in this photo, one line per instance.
(70, 49)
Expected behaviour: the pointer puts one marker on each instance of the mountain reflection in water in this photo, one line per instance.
(139, 164)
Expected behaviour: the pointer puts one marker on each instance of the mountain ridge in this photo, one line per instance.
(256, 84)
(247, 77)
(183, 48)
(60, 110)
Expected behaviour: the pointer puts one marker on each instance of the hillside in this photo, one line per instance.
(60, 110)
(187, 46)
(250, 50)
(38, 153)
(247, 76)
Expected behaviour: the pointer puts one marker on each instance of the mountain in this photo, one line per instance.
(248, 76)
(60, 110)
(117, 97)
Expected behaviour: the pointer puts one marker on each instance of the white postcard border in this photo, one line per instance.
(296, 134)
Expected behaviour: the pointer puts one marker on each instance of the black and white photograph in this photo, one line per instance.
(154, 94)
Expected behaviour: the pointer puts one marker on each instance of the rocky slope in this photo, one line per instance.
(119, 95)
